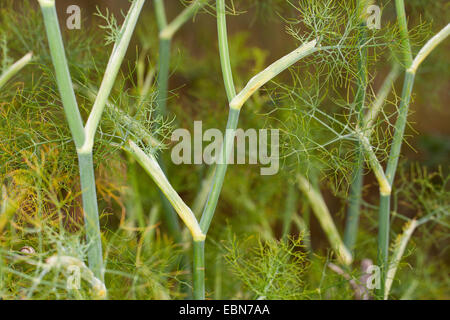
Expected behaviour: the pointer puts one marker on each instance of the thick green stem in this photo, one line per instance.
(91, 216)
(404, 36)
(221, 169)
(394, 155)
(62, 71)
(384, 211)
(235, 106)
(272, 71)
(385, 207)
(221, 166)
(199, 270)
(73, 116)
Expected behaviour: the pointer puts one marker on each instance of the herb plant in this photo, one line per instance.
(343, 191)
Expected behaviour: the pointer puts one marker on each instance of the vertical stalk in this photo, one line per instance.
(384, 208)
(74, 120)
(161, 18)
(224, 51)
(218, 278)
(400, 125)
(290, 210)
(84, 136)
(354, 208)
(63, 78)
(411, 68)
(404, 36)
(91, 216)
(221, 167)
(161, 103)
(203, 192)
(211, 204)
(213, 198)
(199, 270)
(235, 105)
(163, 74)
(134, 198)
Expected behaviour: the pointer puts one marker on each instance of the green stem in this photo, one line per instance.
(290, 210)
(235, 106)
(171, 28)
(153, 219)
(163, 74)
(84, 136)
(134, 198)
(218, 278)
(322, 214)
(170, 215)
(385, 206)
(199, 270)
(400, 125)
(210, 207)
(111, 72)
(151, 166)
(161, 18)
(14, 69)
(224, 51)
(221, 166)
(74, 120)
(384, 210)
(221, 169)
(63, 78)
(272, 71)
(376, 107)
(404, 36)
(394, 155)
(91, 216)
(399, 250)
(203, 192)
(354, 208)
